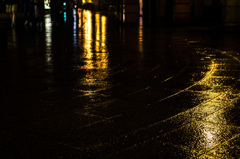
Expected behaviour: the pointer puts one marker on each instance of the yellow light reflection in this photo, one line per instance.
(87, 1)
(104, 22)
(140, 36)
(87, 20)
(124, 11)
(97, 27)
(95, 55)
(209, 117)
(141, 7)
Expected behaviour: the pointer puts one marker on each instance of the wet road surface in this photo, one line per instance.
(90, 88)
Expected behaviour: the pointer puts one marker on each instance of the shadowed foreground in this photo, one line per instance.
(89, 88)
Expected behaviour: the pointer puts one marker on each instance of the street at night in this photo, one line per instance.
(93, 88)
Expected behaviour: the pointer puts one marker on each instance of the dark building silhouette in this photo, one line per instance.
(219, 12)
(166, 12)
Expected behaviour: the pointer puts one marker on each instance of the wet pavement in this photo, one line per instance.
(90, 88)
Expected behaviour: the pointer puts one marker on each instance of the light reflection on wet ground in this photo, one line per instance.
(91, 89)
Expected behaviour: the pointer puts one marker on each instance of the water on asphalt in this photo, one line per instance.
(91, 88)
